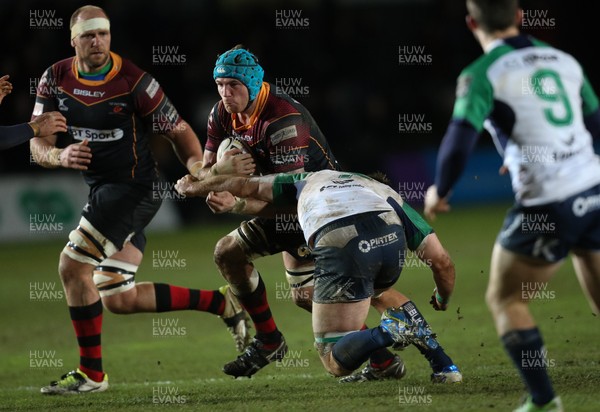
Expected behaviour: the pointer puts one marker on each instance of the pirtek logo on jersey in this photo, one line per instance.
(88, 93)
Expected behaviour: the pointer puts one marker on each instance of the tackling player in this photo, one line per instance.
(541, 100)
(358, 230)
(282, 136)
(113, 108)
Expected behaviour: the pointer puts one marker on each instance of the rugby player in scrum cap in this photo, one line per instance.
(280, 135)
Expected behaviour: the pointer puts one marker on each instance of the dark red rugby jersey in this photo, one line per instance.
(117, 115)
(282, 133)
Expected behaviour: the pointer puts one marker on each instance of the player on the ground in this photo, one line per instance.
(282, 136)
(112, 108)
(541, 100)
(358, 230)
(45, 125)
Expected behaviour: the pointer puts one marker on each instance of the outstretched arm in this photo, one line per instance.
(255, 187)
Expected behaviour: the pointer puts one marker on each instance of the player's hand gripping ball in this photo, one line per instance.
(234, 157)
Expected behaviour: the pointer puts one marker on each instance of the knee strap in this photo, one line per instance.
(300, 277)
(113, 276)
(252, 240)
(88, 245)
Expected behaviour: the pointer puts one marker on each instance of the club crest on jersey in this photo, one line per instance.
(117, 107)
(88, 93)
(95, 135)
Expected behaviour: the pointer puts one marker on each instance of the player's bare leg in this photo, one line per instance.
(587, 268)
(383, 364)
(343, 347)
(510, 274)
(391, 298)
(334, 321)
(76, 278)
(235, 266)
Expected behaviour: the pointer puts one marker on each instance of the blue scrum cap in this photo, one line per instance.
(242, 65)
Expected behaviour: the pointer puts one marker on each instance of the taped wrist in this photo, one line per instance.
(240, 205)
(36, 129)
(195, 169)
(440, 299)
(53, 157)
(47, 157)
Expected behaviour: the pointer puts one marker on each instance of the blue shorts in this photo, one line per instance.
(550, 231)
(371, 258)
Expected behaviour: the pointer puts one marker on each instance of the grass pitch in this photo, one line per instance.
(173, 360)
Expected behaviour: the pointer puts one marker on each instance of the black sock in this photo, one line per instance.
(354, 349)
(380, 358)
(435, 354)
(526, 349)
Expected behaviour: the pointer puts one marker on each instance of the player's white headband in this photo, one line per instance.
(97, 23)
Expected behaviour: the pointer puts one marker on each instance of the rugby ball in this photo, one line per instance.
(230, 143)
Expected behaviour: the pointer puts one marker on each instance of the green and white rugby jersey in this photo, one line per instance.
(327, 195)
(538, 95)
